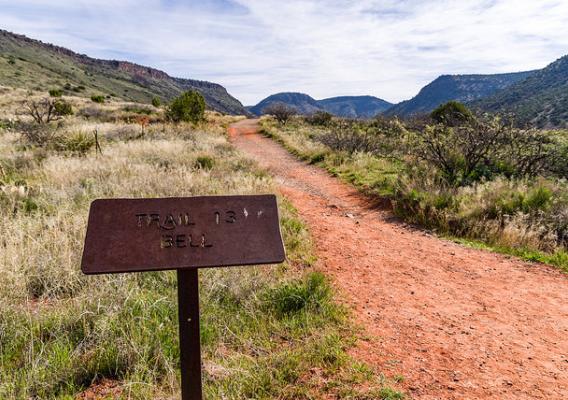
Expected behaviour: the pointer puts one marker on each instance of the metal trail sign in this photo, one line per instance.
(183, 233)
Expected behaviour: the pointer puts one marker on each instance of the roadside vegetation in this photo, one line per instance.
(475, 178)
(267, 331)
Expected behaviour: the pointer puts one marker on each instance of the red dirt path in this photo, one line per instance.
(457, 323)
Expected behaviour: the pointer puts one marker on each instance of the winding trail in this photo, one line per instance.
(457, 323)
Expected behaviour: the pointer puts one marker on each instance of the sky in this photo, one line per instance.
(385, 48)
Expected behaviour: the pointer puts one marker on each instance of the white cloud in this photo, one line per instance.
(386, 48)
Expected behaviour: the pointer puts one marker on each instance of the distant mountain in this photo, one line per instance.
(463, 88)
(355, 106)
(540, 99)
(32, 64)
(346, 106)
(303, 103)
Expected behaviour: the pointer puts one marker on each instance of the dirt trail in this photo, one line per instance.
(457, 323)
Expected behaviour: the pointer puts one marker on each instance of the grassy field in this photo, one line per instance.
(521, 217)
(268, 332)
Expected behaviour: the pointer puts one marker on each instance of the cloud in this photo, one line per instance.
(386, 48)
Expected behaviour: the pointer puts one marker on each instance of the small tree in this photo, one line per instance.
(452, 113)
(461, 154)
(189, 107)
(46, 110)
(156, 102)
(280, 111)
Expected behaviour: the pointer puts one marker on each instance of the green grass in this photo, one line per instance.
(558, 259)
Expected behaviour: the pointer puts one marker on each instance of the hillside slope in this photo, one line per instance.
(32, 64)
(541, 99)
(463, 88)
(344, 106)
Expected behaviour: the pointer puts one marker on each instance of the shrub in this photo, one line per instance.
(189, 107)
(63, 108)
(280, 111)
(483, 149)
(77, 142)
(321, 118)
(56, 92)
(531, 152)
(156, 102)
(37, 134)
(378, 137)
(350, 138)
(204, 162)
(46, 110)
(11, 60)
(452, 113)
(460, 154)
(98, 99)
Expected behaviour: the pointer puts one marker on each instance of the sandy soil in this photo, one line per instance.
(457, 323)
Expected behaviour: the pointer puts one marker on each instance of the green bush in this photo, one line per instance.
(77, 142)
(189, 107)
(452, 113)
(156, 102)
(56, 92)
(98, 99)
(204, 162)
(320, 118)
(63, 108)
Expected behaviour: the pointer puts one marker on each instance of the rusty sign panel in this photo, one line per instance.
(132, 235)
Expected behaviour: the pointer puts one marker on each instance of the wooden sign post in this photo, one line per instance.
(135, 235)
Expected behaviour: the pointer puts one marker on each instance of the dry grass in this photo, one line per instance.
(295, 137)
